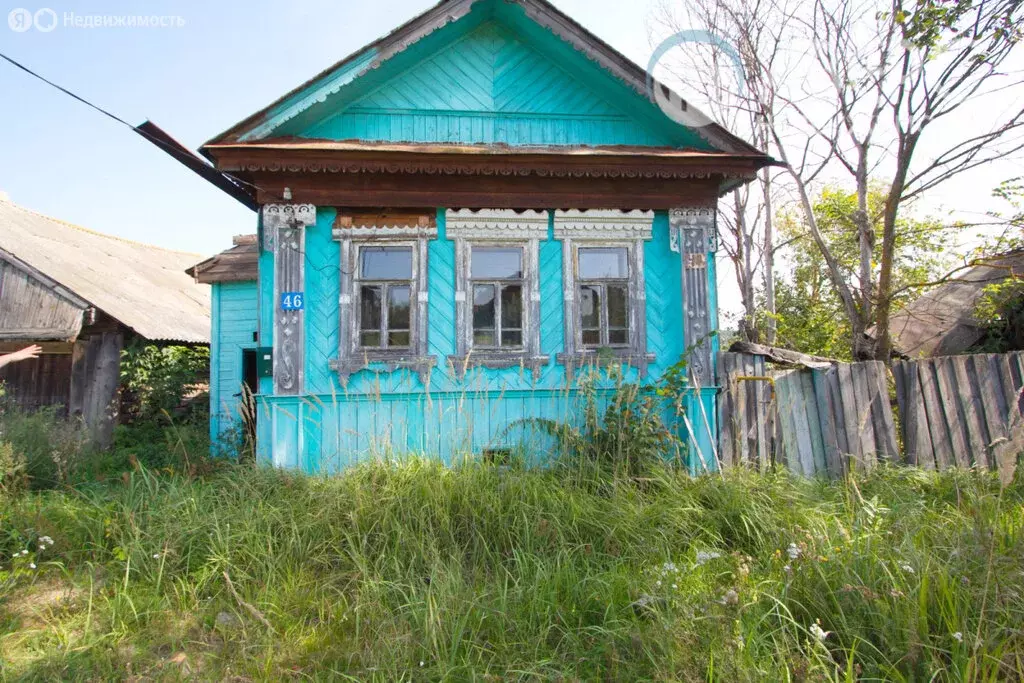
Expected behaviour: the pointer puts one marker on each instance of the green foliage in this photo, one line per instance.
(1000, 314)
(48, 448)
(44, 450)
(621, 432)
(158, 379)
(423, 572)
(810, 316)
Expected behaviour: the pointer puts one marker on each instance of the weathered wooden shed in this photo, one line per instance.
(458, 218)
(82, 296)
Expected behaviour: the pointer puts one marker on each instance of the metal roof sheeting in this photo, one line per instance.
(142, 286)
(941, 322)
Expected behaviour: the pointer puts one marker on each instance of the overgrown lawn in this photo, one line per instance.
(415, 571)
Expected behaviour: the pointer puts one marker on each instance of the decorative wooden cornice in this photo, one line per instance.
(497, 224)
(604, 224)
(548, 163)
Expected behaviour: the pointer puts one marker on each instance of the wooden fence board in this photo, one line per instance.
(885, 424)
(727, 430)
(935, 415)
(815, 415)
(830, 443)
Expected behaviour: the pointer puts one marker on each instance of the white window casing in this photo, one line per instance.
(497, 228)
(604, 228)
(352, 358)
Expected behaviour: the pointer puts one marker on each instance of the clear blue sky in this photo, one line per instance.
(63, 159)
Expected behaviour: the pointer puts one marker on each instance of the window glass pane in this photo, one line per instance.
(483, 308)
(618, 337)
(370, 339)
(590, 307)
(370, 307)
(398, 339)
(483, 337)
(603, 262)
(398, 308)
(618, 306)
(591, 338)
(491, 263)
(512, 306)
(511, 338)
(385, 263)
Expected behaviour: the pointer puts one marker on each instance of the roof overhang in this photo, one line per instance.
(496, 176)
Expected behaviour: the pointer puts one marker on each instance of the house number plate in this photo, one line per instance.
(293, 301)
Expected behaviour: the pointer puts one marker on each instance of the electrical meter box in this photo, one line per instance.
(265, 361)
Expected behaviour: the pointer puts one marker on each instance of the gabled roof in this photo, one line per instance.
(240, 263)
(142, 286)
(941, 322)
(261, 126)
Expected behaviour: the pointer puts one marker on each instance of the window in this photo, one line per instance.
(384, 288)
(497, 288)
(496, 278)
(382, 312)
(604, 296)
(603, 275)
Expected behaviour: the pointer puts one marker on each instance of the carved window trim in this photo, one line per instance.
(604, 228)
(497, 228)
(351, 357)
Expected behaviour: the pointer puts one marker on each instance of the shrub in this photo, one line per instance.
(158, 380)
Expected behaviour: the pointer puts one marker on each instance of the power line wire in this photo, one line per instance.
(156, 141)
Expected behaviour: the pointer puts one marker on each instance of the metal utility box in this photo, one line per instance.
(265, 361)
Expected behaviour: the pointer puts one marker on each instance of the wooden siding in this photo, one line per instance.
(234, 316)
(39, 382)
(489, 86)
(380, 411)
(29, 309)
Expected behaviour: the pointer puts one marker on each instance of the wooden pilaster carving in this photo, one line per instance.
(284, 229)
(696, 232)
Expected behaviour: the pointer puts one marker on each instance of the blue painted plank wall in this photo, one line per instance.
(489, 86)
(381, 413)
(233, 309)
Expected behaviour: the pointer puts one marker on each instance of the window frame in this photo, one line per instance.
(499, 285)
(604, 328)
(605, 229)
(497, 228)
(352, 356)
(359, 281)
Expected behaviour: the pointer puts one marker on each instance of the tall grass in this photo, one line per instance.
(422, 572)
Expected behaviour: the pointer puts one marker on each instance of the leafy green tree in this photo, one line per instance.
(809, 314)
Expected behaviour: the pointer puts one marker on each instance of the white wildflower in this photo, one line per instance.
(42, 547)
(958, 637)
(422, 662)
(907, 568)
(675, 586)
(793, 551)
(31, 565)
(787, 569)
(704, 556)
(730, 598)
(156, 556)
(658, 584)
(819, 633)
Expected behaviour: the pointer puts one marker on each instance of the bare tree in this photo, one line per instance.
(875, 79)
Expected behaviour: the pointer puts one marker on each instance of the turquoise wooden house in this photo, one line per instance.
(455, 223)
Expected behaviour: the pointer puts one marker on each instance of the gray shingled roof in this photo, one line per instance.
(941, 322)
(142, 286)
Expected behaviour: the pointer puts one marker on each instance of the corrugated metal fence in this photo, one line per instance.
(958, 411)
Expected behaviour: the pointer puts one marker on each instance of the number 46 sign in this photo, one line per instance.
(293, 301)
